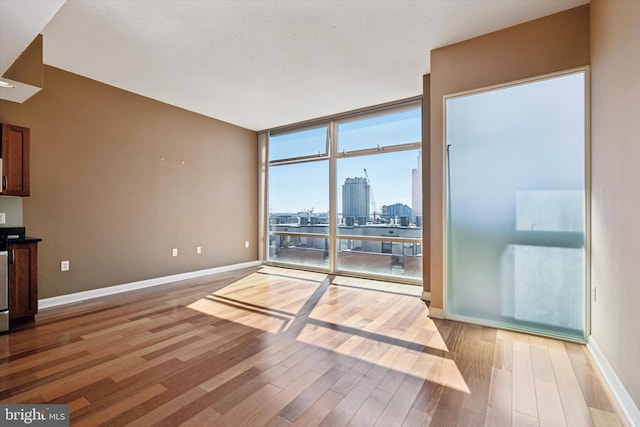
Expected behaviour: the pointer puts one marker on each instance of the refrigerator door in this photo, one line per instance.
(4, 282)
(4, 292)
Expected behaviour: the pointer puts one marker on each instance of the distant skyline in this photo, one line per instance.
(300, 187)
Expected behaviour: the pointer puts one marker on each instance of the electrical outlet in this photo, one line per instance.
(246, 244)
(2, 218)
(199, 249)
(594, 294)
(174, 252)
(64, 265)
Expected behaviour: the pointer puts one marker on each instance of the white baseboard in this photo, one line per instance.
(111, 290)
(436, 312)
(620, 393)
(426, 296)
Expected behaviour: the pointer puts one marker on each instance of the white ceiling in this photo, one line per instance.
(266, 63)
(20, 22)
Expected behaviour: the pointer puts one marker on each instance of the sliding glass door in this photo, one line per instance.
(516, 206)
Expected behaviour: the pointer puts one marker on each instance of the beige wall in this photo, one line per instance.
(615, 140)
(118, 180)
(554, 43)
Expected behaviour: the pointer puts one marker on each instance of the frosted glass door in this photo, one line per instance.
(516, 206)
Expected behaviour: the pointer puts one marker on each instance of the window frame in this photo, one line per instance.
(333, 155)
(376, 113)
(307, 157)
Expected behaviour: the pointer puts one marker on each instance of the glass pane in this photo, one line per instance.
(516, 206)
(550, 210)
(380, 193)
(308, 142)
(299, 197)
(307, 251)
(377, 257)
(537, 300)
(398, 127)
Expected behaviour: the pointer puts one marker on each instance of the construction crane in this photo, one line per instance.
(373, 199)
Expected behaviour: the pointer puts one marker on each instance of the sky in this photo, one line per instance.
(304, 186)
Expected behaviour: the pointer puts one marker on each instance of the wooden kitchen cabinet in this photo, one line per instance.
(23, 280)
(15, 160)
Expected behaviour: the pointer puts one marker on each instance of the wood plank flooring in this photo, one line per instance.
(275, 347)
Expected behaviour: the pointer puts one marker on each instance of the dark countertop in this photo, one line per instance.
(27, 239)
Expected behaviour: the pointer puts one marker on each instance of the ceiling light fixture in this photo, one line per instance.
(6, 85)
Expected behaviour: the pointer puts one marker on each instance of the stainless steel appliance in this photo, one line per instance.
(6, 234)
(4, 284)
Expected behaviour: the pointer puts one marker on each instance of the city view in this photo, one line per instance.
(378, 198)
(299, 192)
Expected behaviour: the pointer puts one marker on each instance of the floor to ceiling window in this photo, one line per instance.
(345, 195)
(516, 206)
(298, 197)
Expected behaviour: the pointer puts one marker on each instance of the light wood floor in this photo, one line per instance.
(276, 347)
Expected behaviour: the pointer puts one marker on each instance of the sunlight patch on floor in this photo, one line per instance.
(252, 301)
(388, 327)
(402, 356)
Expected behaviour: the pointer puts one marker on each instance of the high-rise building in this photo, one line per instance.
(355, 198)
(396, 210)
